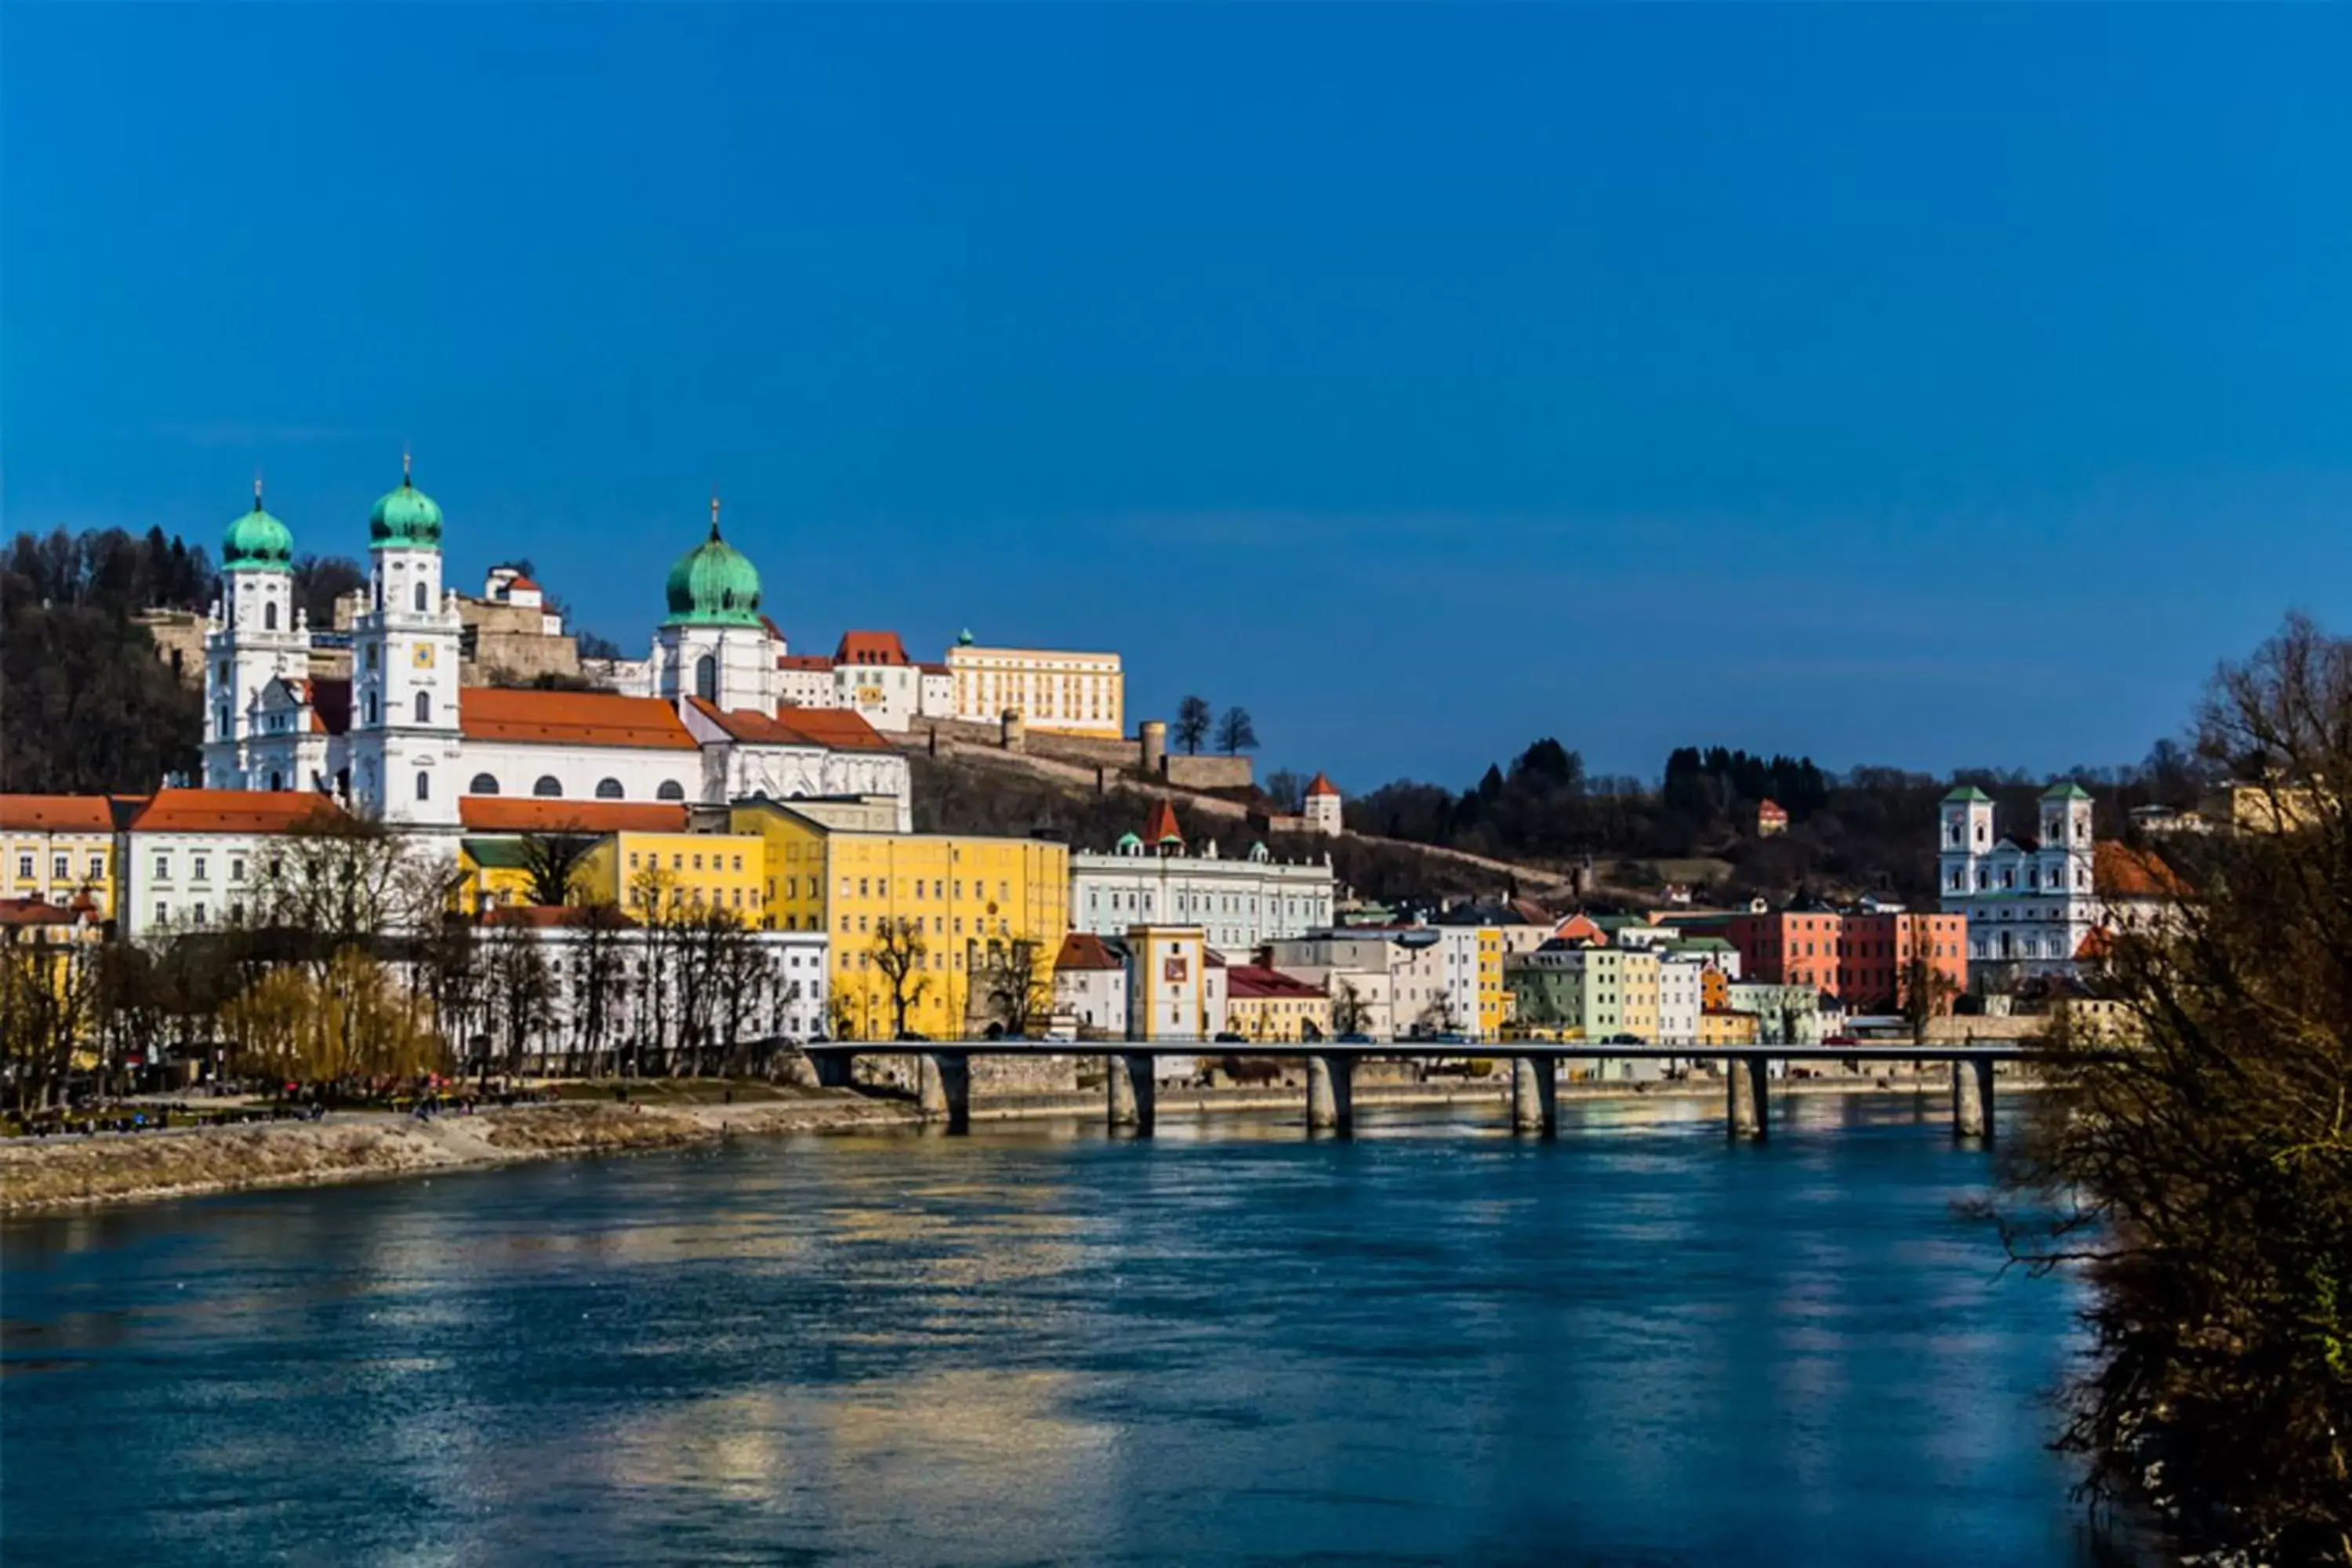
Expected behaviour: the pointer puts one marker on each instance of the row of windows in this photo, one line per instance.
(200, 866)
(865, 926)
(60, 868)
(678, 863)
(547, 786)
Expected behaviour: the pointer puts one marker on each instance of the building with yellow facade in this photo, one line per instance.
(684, 873)
(57, 847)
(971, 914)
(1265, 1004)
(1723, 1026)
(1057, 692)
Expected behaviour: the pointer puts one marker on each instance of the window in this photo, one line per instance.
(670, 790)
(678, 862)
(371, 708)
(25, 868)
(200, 914)
(277, 780)
(224, 720)
(97, 866)
(371, 649)
(608, 789)
(270, 616)
(236, 869)
(484, 784)
(422, 602)
(163, 868)
(706, 678)
(424, 707)
(424, 784)
(196, 872)
(548, 787)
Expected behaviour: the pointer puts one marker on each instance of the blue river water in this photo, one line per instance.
(1230, 1343)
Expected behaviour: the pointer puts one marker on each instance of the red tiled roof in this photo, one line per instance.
(235, 811)
(1248, 981)
(869, 648)
(1082, 950)
(1770, 808)
(330, 701)
(2119, 871)
(1161, 824)
(571, 718)
(772, 629)
(934, 668)
(57, 812)
(523, 582)
(34, 912)
(1580, 928)
(2097, 943)
(514, 814)
(1320, 784)
(835, 727)
(803, 661)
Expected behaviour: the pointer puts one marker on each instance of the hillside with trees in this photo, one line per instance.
(86, 706)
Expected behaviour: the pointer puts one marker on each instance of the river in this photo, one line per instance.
(1431, 1343)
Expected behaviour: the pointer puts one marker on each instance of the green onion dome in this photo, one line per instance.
(405, 516)
(257, 542)
(713, 584)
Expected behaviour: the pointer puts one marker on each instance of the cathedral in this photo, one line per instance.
(403, 742)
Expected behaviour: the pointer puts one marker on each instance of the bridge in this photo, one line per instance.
(943, 1073)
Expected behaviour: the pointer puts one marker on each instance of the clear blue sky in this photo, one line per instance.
(1915, 385)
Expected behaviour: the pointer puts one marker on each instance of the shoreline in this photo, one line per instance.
(51, 1175)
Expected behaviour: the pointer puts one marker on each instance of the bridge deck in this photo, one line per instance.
(1386, 1050)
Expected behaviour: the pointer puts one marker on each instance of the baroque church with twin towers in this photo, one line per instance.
(402, 742)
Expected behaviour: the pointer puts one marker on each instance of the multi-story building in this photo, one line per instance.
(192, 859)
(1593, 992)
(1880, 955)
(1053, 692)
(1168, 995)
(59, 849)
(1240, 903)
(1787, 1014)
(686, 873)
(1788, 947)
(975, 905)
(1682, 997)
(1390, 980)
(1090, 985)
(1472, 960)
(1264, 1004)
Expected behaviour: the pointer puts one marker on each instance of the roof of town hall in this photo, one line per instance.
(870, 648)
(57, 812)
(837, 729)
(235, 811)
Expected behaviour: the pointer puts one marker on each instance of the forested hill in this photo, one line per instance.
(85, 705)
(1871, 829)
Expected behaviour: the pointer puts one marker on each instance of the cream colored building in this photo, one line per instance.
(1057, 692)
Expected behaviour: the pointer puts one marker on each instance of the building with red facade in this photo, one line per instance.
(1862, 959)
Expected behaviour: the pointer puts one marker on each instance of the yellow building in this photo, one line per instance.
(2258, 808)
(969, 903)
(688, 872)
(1722, 1026)
(1493, 996)
(1061, 693)
(1168, 981)
(1265, 1004)
(54, 847)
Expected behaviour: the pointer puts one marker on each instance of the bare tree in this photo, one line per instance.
(1287, 789)
(518, 990)
(1235, 733)
(1926, 994)
(554, 861)
(51, 988)
(1350, 1013)
(1193, 722)
(1016, 987)
(901, 957)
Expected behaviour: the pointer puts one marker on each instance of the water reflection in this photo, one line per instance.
(1041, 1344)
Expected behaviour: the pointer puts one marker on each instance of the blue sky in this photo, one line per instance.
(1916, 384)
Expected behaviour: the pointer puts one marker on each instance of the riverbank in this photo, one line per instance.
(43, 1174)
(40, 1175)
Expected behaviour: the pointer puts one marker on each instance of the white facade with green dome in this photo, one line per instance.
(2031, 901)
(254, 636)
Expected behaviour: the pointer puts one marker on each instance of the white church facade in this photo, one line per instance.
(401, 742)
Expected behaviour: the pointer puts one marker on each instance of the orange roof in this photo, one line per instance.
(35, 913)
(1580, 928)
(1320, 784)
(514, 814)
(2098, 943)
(869, 648)
(523, 582)
(803, 661)
(571, 718)
(1251, 980)
(57, 812)
(1161, 826)
(835, 727)
(235, 811)
(2119, 871)
(1083, 950)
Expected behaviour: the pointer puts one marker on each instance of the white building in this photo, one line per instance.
(1239, 903)
(2029, 900)
(1054, 691)
(1322, 807)
(402, 742)
(1090, 985)
(1682, 997)
(1394, 976)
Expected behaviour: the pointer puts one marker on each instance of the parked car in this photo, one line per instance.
(1227, 1037)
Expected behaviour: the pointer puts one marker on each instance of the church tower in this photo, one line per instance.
(1965, 838)
(254, 634)
(714, 644)
(1323, 804)
(404, 733)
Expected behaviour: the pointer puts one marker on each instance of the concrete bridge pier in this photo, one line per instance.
(1972, 1099)
(944, 1089)
(1330, 1094)
(1535, 1095)
(1134, 1093)
(1747, 1083)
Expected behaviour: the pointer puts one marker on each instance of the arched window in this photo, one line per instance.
(421, 601)
(224, 722)
(670, 790)
(424, 784)
(270, 616)
(277, 780)
(706, 678)
(424, 707)
(371, 708)
(483, 784)
(376, 581)
(547, 787)
(608, 789)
